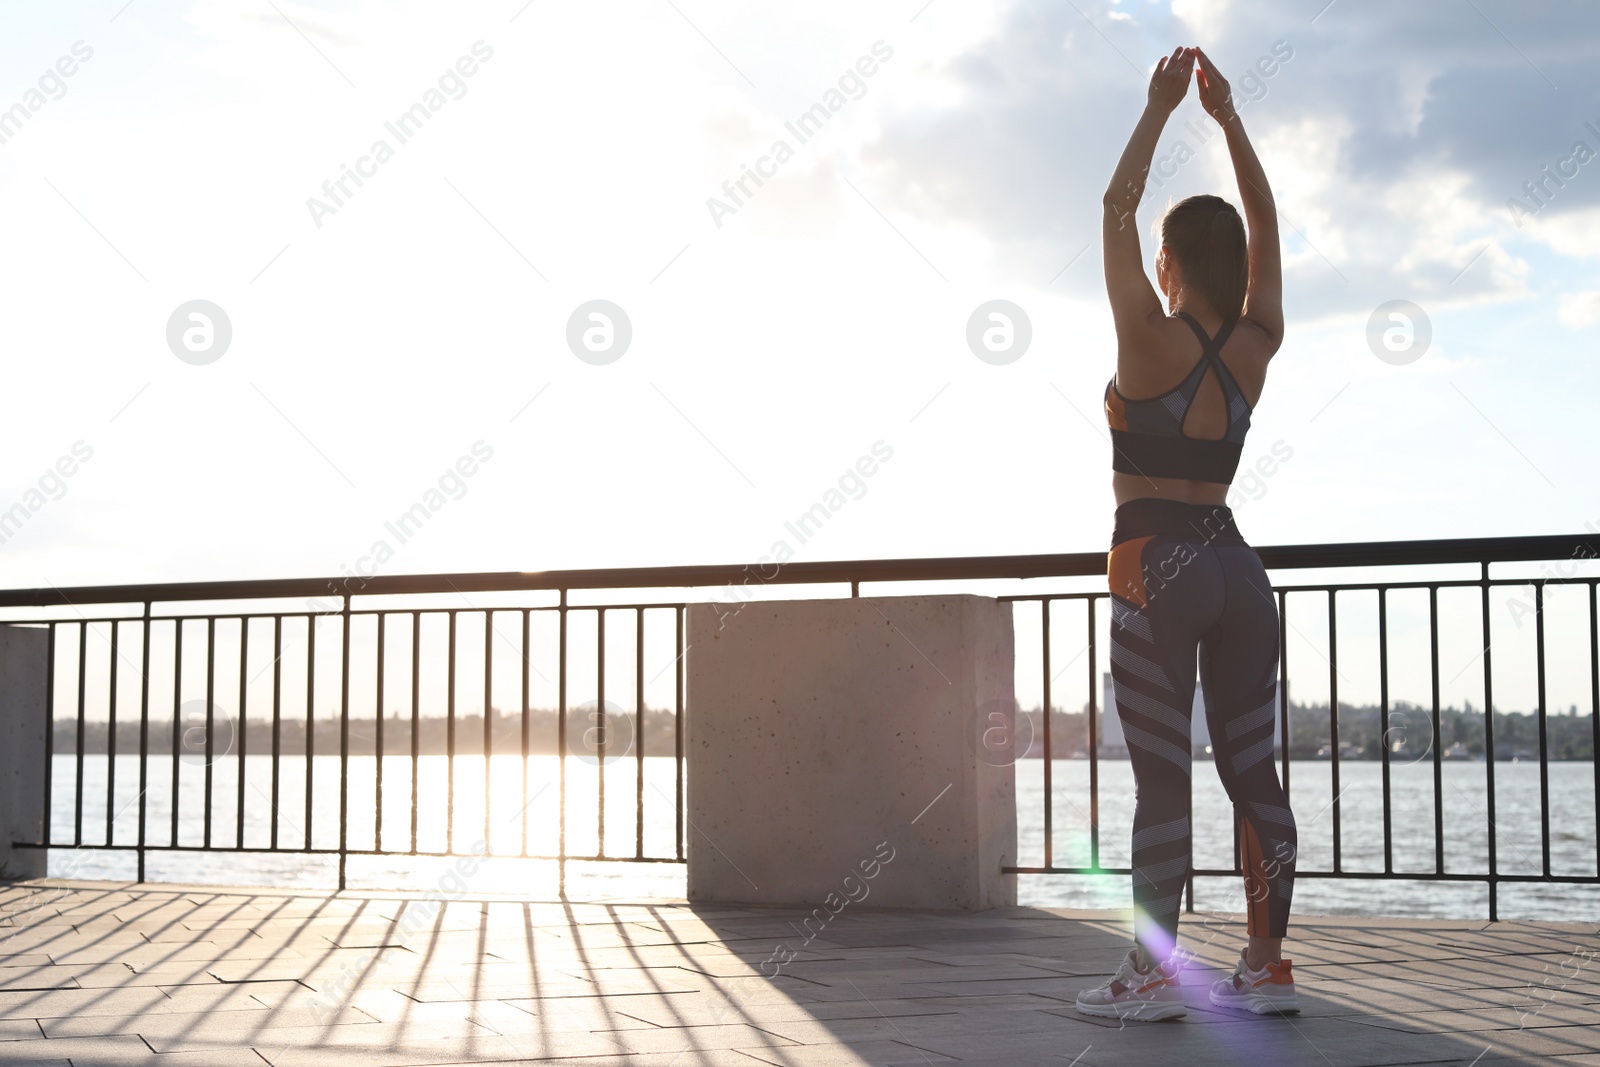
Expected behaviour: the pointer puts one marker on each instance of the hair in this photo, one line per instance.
(1205, 235)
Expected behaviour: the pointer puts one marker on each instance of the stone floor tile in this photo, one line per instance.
(143, 1057)
(18, 1030)
(107, 1050)
(235, 1026)
(703, 1058)
(223, 996)
(874, 1053)
(24, 959)
(79, 1001)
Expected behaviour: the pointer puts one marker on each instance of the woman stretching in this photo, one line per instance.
(1182, 578)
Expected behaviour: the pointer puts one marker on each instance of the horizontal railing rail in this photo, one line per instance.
(359, 603)
(1479, 550)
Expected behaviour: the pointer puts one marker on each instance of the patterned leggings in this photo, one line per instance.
(1183, 580)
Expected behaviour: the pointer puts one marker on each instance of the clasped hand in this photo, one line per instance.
(1170, 82)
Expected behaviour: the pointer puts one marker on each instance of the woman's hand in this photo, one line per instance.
(1171, 79)
(1215, 96)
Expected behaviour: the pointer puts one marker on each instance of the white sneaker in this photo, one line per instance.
(1130, 994)
(1267, 991)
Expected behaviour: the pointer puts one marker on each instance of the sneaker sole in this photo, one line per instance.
(1260, 1003)
(1144, 1011)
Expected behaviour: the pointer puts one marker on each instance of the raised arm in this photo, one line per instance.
(1134, 303)
(1263, 300)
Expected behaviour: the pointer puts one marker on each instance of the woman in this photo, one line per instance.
(1182, 578)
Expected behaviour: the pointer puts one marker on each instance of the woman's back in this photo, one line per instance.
(1167, 351)
(1209, 266)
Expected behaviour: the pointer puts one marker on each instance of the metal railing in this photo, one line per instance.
(1479, 551)
(299, 840)
(381, 590)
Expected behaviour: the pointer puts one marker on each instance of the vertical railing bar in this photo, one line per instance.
(1237, 829)
(381, 618)
(1283, 698)
(344, 737)
(111, 736)
(488, 721)
(677, 727)
(1488, 743)
(416, 718)
(1594, 709)
(638, 731)
(1333, 720)
(144, 734)
(600, 748)
(311, 704)
(244, 722)
(211, 728)
(50, 733)
(527, 665)
(1383, 724)
(1544, 746)
(177, 725)
(1049, 791)
(1438, 733)
(83, 665)
(277, 723)
(561, 748)
(450, 740)
(1094, 736)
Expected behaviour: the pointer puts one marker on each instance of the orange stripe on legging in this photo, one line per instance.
(1259, 917)
(1125, 570)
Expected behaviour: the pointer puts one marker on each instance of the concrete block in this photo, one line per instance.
(835, 754)
(23, 681)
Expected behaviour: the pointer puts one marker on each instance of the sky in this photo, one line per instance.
(417, 338)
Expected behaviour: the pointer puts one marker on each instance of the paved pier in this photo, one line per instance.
(99, 974)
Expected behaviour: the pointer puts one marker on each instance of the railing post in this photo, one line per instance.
(1049, 751)
(1488, 744)
(1094, 739)
(24, 724)
(144, 732)
(344, 739)
(1594, 707)
(561, 747)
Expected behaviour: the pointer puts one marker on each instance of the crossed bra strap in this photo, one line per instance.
(1211, 353)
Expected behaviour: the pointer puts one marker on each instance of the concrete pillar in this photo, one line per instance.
(23, 654)
(837, 753)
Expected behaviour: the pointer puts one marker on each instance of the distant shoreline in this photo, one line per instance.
(1568, 737)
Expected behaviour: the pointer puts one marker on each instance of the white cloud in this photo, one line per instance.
(1580, 310)
(1574, 233)
(1023, 159)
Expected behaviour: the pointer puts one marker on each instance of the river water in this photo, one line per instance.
(1359, 816)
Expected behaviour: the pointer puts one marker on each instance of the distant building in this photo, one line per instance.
(1110, 724)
